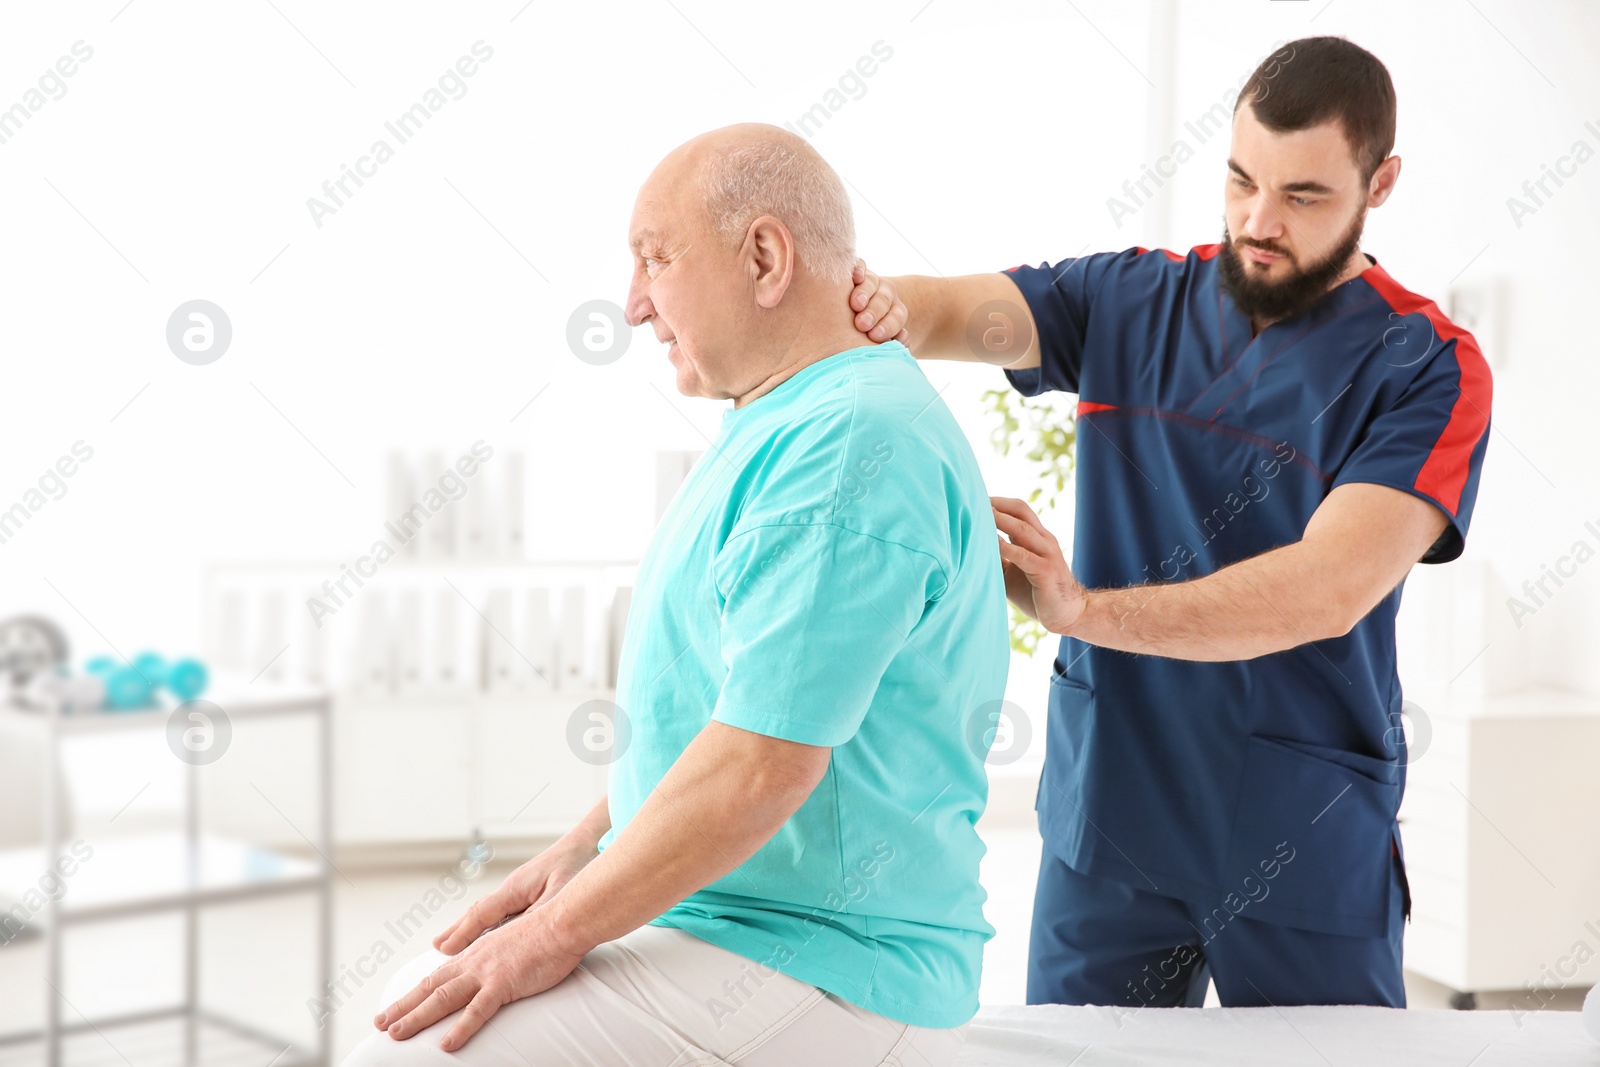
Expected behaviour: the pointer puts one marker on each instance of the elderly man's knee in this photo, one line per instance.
(381, 1050)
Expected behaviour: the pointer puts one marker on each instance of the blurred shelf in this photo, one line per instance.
(151, 872)
(179, 871)
(158, 1039)
(235, 697)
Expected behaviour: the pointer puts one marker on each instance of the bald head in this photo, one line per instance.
(743, 248)
(740, 173)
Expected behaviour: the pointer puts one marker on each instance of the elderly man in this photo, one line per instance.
(786, 869)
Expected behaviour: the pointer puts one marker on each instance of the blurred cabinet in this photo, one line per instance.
(464, 695)
(418, 772)
(1499, 825)
(531, 775)
(403, 773)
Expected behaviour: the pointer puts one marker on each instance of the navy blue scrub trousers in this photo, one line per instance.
(1097, 941)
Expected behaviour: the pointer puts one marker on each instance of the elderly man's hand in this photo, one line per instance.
(518, 960)
(529, 886)
(879, 313)
(1038, 580)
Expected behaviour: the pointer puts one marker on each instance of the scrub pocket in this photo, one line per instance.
(1314, 825)
(1069, 716)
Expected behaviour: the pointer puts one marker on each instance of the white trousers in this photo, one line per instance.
(659, 997)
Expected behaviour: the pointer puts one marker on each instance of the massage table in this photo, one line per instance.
(1056, 1035)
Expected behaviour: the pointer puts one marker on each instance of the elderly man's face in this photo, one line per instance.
(688, 285)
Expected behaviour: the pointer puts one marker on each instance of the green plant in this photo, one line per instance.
(1046, 433)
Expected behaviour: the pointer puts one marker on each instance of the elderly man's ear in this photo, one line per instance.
(769, 257)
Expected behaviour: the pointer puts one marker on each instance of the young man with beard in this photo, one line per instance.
(1224, 757)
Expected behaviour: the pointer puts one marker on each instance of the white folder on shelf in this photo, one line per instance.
(450, 659)
(475, 534)
(402, 497)
(411, 679)
(572, 644)
(374, 673)
(314, 641)
(500, 655)
(538, 640)
(440, 531)
(514, 516)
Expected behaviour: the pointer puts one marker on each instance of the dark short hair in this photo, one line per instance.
(1307, 82)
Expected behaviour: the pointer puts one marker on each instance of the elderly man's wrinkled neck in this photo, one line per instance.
(813, 340)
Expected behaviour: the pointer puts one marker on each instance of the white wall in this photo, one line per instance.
(179, 161)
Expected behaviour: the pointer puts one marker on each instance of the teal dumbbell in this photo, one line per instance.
(186, 678)
(134, 686)
(151, 665)
(126, 688)
(183, 678)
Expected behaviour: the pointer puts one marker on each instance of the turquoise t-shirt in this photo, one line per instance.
(828, 574)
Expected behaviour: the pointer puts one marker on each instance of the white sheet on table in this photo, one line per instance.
(1061, 1036)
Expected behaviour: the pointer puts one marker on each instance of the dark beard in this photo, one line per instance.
(1286, 299)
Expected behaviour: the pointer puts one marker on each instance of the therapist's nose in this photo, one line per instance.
(1263, 222)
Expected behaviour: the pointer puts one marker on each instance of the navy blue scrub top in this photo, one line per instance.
(1199, 446)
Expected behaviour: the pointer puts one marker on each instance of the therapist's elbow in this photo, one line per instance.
(1338, 611)
(1324, 616)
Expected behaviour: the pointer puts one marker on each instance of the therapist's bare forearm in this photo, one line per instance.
(1257, 606)
(927, 302)
(939, 310)
(710, 813)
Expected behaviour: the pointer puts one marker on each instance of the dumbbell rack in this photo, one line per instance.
(185, 871)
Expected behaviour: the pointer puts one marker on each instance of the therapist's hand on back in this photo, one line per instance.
(879, 312)
(1038, 580)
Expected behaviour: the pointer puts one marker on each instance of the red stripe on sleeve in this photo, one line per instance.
(1444, 473)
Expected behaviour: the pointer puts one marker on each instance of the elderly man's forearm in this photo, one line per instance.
(710, 812)
(592, 827)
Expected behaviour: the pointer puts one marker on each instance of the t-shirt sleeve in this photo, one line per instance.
(1431, 442)
(1058, 294)
(812, 616)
